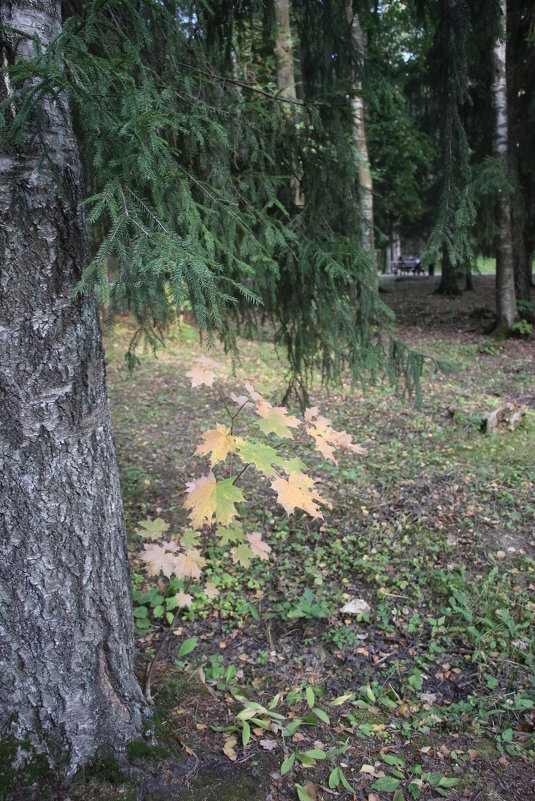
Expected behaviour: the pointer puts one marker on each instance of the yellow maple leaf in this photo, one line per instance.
(183, 598)
(158, 560)
(218, 442)
(199, 376)
(297, 492)
(189, 564)
(210, 590)
(256, 396)
(210, 499)
(326, 438)
(258, 546)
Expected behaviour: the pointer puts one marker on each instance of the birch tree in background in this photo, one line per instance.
(359, 138)
(506, 309)
(284, 51)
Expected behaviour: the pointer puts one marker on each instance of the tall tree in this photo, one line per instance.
(284, 51)
(360, 141)
(66, 637)
(521, 89)
(451, 232)
(506, 310)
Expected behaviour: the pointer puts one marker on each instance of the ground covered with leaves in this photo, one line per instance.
(385, 651)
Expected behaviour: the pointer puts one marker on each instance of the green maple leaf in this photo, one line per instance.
(276, 420)
(190, 538)
(294, 465)
(230, 534)
(208, 499)
(152, 529)
(242, 554)
(262, 456)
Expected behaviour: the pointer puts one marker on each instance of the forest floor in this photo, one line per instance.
(434, 528)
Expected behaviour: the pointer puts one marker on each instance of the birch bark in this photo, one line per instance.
(506, 310)
(67, 683)
(360, 141)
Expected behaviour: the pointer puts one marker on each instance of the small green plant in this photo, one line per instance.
(522, 329)
(216, 504)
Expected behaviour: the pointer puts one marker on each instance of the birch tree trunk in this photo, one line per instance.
(284, 51)
(67, 683)
(286, 79)
(506, 311)
(359, 140)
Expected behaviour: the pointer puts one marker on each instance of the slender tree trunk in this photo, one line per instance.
(506, 311)
(359, 139)
(393, 251)
(522, 261)
(284, 51)
(448, 285)
(67, 679)
(286, 77)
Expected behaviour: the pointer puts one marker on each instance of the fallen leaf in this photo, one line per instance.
(268, 745)
(356, 606)
(228, 748)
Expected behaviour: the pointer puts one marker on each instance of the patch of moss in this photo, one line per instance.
(250, 785)
(138, 749)
(35, 772)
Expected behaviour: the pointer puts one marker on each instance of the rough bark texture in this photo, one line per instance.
(67, 683)
(506, 311)
(360, 141)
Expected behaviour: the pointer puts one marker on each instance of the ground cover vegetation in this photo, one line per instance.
(241, 167)
(273, 681)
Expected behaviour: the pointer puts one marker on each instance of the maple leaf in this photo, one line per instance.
(298, 492)
(158, 560)
(209, 499)
(189, 564)
(199, 376)
(242, 554)
(189, 538)
(257, 453)
(326, 438)
(276, 420)
(241, 400)
(183, 599)
(256, 396)
(231, 534)
(218, 442)
(152, 529)
(294, 465)
(258, 546)
(210, 590)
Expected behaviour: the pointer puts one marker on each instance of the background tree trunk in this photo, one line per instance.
(286, 79)
(449, 284)
(284, 51)
(506, 310)
(67, 681)
(359, 139)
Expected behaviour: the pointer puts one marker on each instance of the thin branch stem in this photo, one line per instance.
(165, 638)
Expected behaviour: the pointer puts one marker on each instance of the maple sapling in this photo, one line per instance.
(213, 500)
